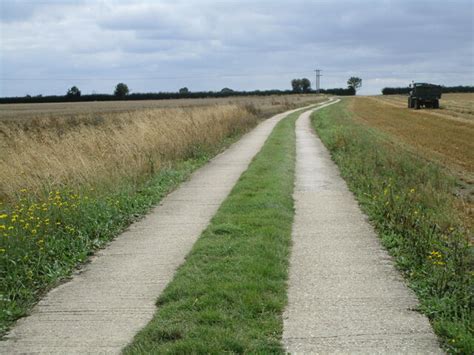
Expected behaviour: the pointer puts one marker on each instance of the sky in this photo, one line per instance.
(162, 45)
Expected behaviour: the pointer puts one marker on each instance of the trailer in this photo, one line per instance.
(424, 95)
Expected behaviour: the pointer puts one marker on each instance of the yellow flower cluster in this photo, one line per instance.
(36, 219)
(436, 258)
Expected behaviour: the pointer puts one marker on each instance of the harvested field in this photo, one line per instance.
(452, 106)
(266, 104)
(450, 141)
(441, 138)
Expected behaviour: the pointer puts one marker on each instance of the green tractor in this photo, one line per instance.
(423, 94)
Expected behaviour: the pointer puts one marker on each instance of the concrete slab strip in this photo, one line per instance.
(345, 295)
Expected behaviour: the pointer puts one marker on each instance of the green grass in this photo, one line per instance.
(42, 240)
(230, 293)
(411, 203)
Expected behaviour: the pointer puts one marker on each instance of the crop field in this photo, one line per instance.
(266, 104)
(452, 106)
(445, 137)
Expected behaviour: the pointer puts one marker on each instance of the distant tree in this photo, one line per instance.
(226, 91)
(351, 91)
(354, 82)
(184, 90)
(73, 92)
(305, 85)
(296, 84)
(121, 90)
(338, 91)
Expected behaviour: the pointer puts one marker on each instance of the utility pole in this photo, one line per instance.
(318, 82)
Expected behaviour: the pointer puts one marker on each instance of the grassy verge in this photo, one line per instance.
(411, 204)
(230, 293)
(42, 240)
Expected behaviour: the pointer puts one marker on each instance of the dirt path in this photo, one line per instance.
(105, 305)
(344, 292)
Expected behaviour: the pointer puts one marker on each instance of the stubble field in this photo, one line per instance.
(444, 136)
(452, 106)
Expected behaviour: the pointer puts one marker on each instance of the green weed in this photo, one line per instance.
(410, 202)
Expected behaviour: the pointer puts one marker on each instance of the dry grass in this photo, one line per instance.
(123, 145)
(108, 144)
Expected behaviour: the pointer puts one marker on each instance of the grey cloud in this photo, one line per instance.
(24, 10)
(385, 42)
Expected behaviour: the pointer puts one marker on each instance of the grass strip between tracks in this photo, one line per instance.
(410, 202)
(230, 293)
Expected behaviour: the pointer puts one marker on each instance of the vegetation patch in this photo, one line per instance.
(411, 203)
(44, 237)
(230, 293)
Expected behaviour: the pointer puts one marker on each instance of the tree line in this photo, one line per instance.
(445, 89)
(182, 94)
(304, 86)
(123, 92)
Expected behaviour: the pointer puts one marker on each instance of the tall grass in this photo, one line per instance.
(90, 150)
(411, 203)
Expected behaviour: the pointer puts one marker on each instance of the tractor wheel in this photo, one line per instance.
(409, 102)
(416, 104)
(436, 104)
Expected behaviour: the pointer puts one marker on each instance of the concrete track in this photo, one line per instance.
(345, 296)
(113, 297)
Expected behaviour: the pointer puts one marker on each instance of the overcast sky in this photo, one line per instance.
(48, 46)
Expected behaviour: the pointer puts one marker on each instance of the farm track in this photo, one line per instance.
(344, 292)
(113, 297)
(345, 295)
